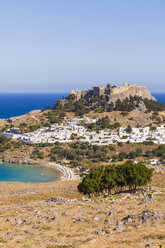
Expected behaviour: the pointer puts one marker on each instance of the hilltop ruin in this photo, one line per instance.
(115, 92)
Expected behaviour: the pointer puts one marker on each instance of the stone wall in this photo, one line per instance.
(116, 92)
(121, 92)
(79, 93)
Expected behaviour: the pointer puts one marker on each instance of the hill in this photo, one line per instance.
(110, 98)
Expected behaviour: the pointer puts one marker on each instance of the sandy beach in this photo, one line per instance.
(68, 173)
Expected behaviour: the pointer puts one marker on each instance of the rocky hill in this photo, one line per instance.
(115, 93)
(110, 98)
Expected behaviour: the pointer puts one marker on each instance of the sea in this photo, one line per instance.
(12, 105)
(160, 97)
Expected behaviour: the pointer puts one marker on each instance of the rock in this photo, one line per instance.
(145, 216)
(110, 214)
(85, 199)
(129, 218)
(141, 107)
(149, 197)
(81, 220)
(119, 225)
(148, 215)
(19, 221)
(99, 232)
(93, 240)
(54, 218)
(57, 200)
(37, 212)
(28, 232)
(106, 222)
(64, 214)
(96, 218)
(9, 235)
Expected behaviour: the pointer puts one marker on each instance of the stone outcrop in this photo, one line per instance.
(121, 92)
(115, 92)
(79, 93)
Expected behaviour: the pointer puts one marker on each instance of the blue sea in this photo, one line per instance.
(18, 104)
(160, 97)
(28, 173)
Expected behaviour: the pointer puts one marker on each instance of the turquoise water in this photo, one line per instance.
(28, 173)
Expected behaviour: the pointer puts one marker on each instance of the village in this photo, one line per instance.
(72, 130)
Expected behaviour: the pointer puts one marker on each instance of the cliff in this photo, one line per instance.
(121, 92)
(115, 92)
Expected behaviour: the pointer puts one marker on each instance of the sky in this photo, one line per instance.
(59, 45)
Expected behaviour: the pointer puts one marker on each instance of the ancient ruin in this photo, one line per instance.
(115, 92)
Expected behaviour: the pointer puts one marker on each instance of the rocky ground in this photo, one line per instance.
(52, 215)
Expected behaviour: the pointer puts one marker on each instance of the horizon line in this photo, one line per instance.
(58, 92)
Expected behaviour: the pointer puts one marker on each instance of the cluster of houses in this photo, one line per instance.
(73, 129)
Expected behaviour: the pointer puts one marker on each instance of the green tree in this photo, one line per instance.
(129, 129)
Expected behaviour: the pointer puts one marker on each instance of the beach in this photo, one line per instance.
(68, 173)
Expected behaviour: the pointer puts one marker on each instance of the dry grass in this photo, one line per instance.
(41, 229)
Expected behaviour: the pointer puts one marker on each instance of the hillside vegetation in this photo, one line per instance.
(101, 104)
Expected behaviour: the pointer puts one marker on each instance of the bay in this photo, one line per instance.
(28, 173)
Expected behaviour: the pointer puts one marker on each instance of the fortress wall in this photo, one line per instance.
(125, 91)
(117, 92)
(78, 93)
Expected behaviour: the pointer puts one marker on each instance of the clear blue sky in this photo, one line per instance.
(57, 45)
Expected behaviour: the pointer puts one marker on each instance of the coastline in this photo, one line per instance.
(67, 173)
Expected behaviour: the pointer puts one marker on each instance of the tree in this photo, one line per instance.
(116, 177)
(129, 129)
(116, 125)
(91, 183)
(110, 107)
(108, 179)
(136, 174)
(122, 156)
